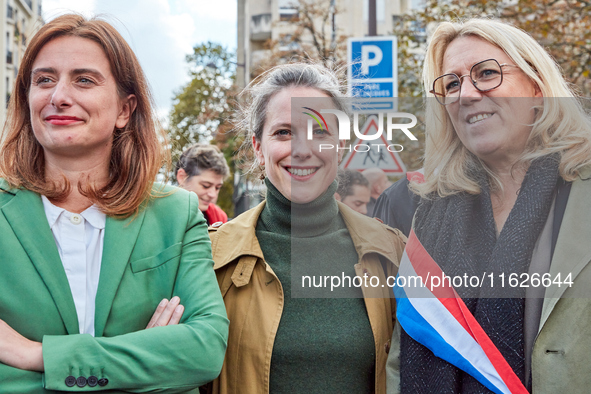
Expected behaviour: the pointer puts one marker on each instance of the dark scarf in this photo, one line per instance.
(459, 232)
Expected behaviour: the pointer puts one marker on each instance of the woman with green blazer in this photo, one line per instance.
(89, 246)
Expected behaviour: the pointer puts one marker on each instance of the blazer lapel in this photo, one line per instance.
(573, 249)
(120, 238)
(25, 214)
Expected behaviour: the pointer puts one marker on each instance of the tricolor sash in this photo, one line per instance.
(438, 319)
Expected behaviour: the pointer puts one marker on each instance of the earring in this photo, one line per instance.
(262, 172)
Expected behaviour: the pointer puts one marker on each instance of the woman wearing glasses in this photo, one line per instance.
(504, 196)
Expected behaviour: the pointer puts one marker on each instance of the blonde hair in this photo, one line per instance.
(139, 149)
(561, 126)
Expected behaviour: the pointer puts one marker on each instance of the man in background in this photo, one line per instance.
(202, 169)
(353, 190)
(378, 182)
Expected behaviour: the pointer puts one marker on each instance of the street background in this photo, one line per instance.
(199, 54)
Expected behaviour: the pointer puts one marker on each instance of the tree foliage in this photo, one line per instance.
(562, 27)
(203, 107)
(311, 37)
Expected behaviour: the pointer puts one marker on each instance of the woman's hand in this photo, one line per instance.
(18, 351)
(22, 353)
(167, 313)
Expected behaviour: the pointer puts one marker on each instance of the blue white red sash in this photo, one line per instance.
(438, 319)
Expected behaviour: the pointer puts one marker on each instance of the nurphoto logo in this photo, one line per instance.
(345, 128)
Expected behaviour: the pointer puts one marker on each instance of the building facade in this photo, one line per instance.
(19, 20)
(263, 20)
(260, 21)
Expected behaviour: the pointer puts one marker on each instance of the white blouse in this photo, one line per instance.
(79, 239)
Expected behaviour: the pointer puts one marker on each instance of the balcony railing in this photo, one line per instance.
(289, 10)
(260, 27)
(289, 14)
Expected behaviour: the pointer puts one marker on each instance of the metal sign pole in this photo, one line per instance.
(372, 19)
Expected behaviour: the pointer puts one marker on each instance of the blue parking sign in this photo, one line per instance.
(372, 59)
(372, 68)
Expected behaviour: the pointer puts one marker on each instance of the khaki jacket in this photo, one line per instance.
(562, 350)
(254, 296)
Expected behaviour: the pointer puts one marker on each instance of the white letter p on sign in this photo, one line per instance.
(366, 62)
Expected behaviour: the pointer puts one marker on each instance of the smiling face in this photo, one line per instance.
(494, 125)
(73, 100)
(296, 166)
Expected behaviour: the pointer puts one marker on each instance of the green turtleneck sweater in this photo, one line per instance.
(323, 345)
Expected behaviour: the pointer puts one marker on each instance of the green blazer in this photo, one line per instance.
(161, 252)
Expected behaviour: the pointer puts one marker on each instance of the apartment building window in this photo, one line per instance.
(419, 29)
(260, 27)
(9, 11)
(287, 44)
(289, 10)
(8, 51)
(7, 91)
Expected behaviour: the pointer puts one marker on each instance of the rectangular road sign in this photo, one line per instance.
(372, 69)
(372, 89)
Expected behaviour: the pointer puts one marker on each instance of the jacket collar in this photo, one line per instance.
(24, 212)
(572, 246)
(237, 238)
(120, 238)
(369, 235)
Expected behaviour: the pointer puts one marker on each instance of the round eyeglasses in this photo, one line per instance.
(485, 76)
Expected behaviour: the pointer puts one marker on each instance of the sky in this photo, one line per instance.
(161, 33)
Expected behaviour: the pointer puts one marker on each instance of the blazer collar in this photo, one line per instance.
(24, 213)
(120, 238)
(573, 249)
